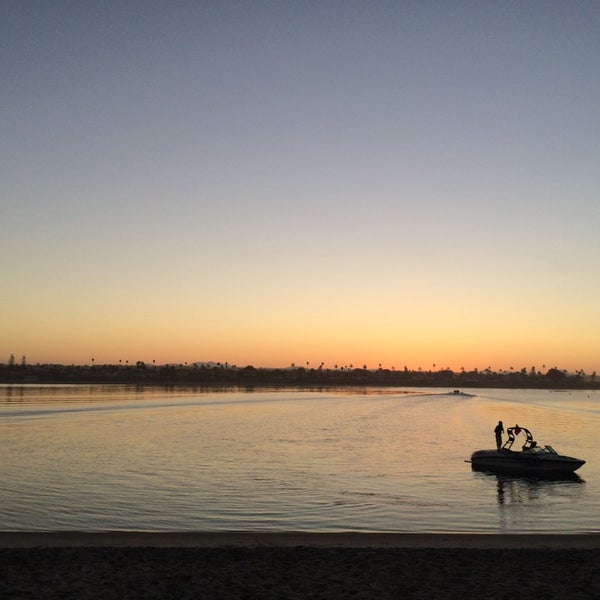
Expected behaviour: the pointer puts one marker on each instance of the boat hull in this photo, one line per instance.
(506, 461)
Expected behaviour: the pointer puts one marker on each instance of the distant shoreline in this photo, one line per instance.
(225, 376)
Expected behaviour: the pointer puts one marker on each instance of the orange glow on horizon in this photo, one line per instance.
(307, 357)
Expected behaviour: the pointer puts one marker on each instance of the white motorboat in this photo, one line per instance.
(532, 459)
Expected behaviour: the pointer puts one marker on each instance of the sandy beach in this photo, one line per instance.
(297, 565)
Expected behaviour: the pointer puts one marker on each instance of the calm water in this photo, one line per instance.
(120, 458)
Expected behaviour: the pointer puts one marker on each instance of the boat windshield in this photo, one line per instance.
(539, 450)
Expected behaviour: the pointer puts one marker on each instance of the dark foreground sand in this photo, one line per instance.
(298, 565)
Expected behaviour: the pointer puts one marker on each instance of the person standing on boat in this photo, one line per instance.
(499, 431)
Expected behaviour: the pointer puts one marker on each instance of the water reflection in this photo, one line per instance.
(532, 502)
(517, 489)
(512, 489)
(99, 458)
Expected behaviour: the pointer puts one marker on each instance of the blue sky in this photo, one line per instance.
(276, 182)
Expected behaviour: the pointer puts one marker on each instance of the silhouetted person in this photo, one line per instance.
(499, 431)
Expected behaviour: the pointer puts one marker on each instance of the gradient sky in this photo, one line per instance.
(267, 183)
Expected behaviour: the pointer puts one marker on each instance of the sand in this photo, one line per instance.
(297, 565)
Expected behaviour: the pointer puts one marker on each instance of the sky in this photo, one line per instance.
(267, 183)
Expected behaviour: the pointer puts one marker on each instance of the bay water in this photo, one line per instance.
(121, 458)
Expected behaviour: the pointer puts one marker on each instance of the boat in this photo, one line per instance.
(532, 459)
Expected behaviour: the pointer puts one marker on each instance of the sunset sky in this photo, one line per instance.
(267, 183)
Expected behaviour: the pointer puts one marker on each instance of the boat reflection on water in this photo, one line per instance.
(532, 490)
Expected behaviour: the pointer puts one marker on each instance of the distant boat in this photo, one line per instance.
(530, 460)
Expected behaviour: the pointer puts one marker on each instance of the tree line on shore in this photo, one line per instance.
(223, 374)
